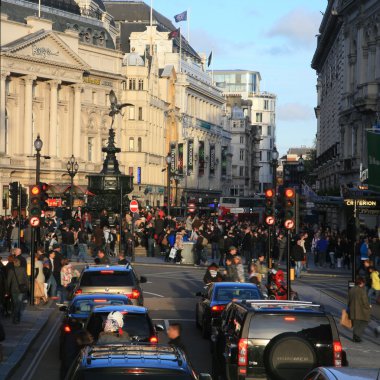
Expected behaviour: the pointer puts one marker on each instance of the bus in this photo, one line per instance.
(242, 208)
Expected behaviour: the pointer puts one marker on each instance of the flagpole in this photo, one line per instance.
(151, 25)
(188, 25)
(180, 50)
(212, 67)
(39, 8)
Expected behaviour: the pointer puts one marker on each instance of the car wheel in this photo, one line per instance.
(289, 356)
(197, 324)
(205, 330)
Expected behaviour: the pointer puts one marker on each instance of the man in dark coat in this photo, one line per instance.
(297, 255)
(359, 309)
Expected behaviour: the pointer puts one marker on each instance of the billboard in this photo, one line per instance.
(373, 148)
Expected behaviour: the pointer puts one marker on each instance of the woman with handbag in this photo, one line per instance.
(39, 282)
(17, 284)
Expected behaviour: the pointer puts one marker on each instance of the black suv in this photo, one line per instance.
(279, 340)
(111, 279)
(140, 361)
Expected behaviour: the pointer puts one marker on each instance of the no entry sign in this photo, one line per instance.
(134, 206)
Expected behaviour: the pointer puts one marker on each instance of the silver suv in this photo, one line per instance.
(113, 279)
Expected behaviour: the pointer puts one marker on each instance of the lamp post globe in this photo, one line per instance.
(38, 143)
(275, 154)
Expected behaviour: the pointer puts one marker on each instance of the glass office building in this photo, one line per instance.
(237, 81)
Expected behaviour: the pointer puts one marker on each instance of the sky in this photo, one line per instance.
(276, 38)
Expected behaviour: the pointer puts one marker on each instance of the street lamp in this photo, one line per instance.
(168, 162)
(274, 165)
(72, 168)
(275, 156)
(177, 177)
(38, 146)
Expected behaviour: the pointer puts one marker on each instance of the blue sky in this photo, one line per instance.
(275, 37)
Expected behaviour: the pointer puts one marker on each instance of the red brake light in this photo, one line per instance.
(100, 300)
(218, 308)
(134, 295)
(337, 347)
(106, 271)
(67, 329)
(243, 352)
(153, 339)
(79, 291)
(290, 319)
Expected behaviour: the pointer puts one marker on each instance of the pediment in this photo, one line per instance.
(45, 46)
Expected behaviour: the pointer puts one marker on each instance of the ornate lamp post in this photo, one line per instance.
(274, 166)
(38, 146)
(168, 163)
(72, 168)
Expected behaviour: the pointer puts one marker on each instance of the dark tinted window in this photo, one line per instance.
(107, 278)
(134, 324)
(267, 326)
(84, 306)
(239, 293)
(101, 374)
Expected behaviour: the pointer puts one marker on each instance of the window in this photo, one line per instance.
(259, 117)
(241, 139)
(131, 113)
(269, 130)
(266, 104)
(141, 84)
(260, 155)
(7, 87)
(269, 155)
(90, 147)
(131, 144)
(93, 97)
(140, 113)
(130, 171)
(233, 192)
(124, 85)
(241, 171)
(241, 156)
(132, 84)
(139, 144)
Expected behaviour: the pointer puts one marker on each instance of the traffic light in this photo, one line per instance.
(35, 201)
(269, 206)
(289, 208)
(13, 194)
(24, 198)
(44, 196)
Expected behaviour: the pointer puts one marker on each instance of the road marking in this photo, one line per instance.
(41, 352)
(154, 294)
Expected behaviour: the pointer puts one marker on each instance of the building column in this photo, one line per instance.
(28, 114)
(53, 117)
(77, 117)
(3, 132)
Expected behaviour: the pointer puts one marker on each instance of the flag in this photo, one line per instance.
(209, 60)
(181, 17)
(174, 34)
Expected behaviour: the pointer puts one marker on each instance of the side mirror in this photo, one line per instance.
(63, 308)
(205, 376)
(159, 327)
(143, 279)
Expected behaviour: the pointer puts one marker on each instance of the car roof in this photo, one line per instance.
(130, 355)
(98, 268)
(92, 296)
(121, 308)
(234, 285)
(352, 373)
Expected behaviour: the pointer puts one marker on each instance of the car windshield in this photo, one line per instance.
(135, 325)
(85, 306)
(267, 326)
(123, 373)
(239, 293)
(107, 278)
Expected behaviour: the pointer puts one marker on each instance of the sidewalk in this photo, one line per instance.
(18, 338)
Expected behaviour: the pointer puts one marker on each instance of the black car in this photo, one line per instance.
(111, 279)
(274, 339)
(77, 312)
(138, 325)
(216, 297)
(133, 361)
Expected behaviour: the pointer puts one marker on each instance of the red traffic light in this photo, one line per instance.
(35, 190)
(289, 193)
(269, 193)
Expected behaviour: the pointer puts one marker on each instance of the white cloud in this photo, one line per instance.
(294, 112)
(298, 26)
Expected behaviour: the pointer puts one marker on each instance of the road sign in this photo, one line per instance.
(269, 220)
(134, 206)
(34, 221)
(237, 210)
(289, 224)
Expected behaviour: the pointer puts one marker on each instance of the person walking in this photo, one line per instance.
(39, 282)
(358, 309)
(18, 287)
(297, 254)
(67, 274)
(374, 290)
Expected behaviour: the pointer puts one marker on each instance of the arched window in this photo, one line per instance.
(139, 144)
(131, 144)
